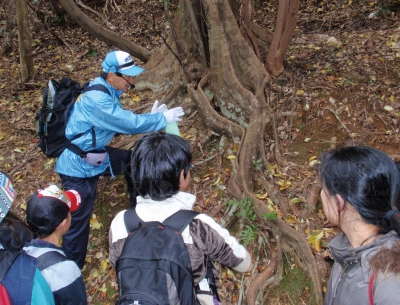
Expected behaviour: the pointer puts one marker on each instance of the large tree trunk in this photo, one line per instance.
(212, 60)
(102, 33)
(230, 95)
(24, 40)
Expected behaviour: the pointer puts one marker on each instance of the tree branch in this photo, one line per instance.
(104, 34)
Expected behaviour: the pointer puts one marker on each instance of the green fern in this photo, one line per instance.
(244, 208)
(248, 234)
(270, 216)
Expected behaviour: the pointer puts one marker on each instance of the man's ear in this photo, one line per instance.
(340, 202)
(181, 177)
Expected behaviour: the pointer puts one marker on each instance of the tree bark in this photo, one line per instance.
(285, 26)
(218, 72)
(104, 34)
(24, 40)
(230, 97)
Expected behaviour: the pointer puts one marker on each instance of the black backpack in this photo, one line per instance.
(52, 118)
(153, 257)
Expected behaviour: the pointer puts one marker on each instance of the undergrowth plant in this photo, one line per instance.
(244, 210)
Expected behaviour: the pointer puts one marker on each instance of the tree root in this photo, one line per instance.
(212, 119)
(341, 123)
(259, 281)
(112, 27)
(240, 186)
(230, 99)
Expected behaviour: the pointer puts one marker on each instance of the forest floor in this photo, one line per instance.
(340, 87)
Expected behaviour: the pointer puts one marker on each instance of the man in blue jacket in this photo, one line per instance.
(99, 116)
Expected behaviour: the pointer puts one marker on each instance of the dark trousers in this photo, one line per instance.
(75, 241)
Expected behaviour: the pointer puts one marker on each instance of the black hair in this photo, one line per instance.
(156, 164)
(365, 177)
(45, 214)
(398, 197)
(14, 233)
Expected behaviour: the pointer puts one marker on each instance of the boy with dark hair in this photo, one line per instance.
(161, 166)
(48, 215)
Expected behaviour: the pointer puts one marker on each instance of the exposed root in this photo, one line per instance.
(379, 117)
(313, 195)
(240, 187)
(112, 4)
(212, 119)
(259, 281)
(231, 101)
(341, 123)
(112, 27)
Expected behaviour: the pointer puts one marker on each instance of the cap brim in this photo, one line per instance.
(74, 198)
(132, 70)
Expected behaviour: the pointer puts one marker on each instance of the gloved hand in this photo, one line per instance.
(156, 108)
(174, 114)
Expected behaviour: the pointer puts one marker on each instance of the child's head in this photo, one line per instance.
(48, 208)
(365, 177)
(159, 160)
(7, 195)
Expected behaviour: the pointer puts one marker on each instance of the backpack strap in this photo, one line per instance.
(7, 258)
(132, 220)
(97, 87)
(48, 259)
(72, 147)
(177, 221)
(180, 220)
(371, 288)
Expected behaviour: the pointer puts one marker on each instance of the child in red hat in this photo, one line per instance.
(48, 215)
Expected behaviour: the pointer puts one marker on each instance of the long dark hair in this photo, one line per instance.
(14, 233)
(368, 179)
(157, 162)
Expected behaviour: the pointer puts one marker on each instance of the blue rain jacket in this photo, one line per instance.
(103, 112)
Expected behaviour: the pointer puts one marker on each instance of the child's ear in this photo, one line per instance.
(64, 226)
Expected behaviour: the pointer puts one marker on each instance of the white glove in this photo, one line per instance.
(174, 114)
(156, 108)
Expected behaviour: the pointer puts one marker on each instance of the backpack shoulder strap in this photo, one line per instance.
(180, 220)
(371, 288)
(97, 87)
(49, 258)
(132, 220)
(6, 260)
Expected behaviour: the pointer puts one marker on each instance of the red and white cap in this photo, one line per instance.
(71, 198)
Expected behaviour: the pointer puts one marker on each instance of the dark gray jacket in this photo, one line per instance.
(348, 282)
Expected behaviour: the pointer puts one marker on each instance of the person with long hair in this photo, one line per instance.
(360, 189)
(22, 279)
